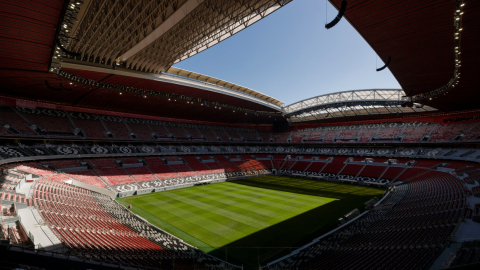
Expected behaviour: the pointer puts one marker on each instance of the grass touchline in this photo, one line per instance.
(268, 211)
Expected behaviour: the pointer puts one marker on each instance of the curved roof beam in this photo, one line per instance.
(212, 80)
(176, 17)
(347, 96)
(180, 77)
(351, 103)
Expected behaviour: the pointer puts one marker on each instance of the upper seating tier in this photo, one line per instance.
(94, 126)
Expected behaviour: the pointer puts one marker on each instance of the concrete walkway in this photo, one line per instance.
(42, 235)
(467, 231)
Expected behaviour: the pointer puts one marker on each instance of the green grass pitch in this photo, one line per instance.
(251, 221)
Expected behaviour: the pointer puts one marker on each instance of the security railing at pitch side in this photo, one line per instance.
(38, 250)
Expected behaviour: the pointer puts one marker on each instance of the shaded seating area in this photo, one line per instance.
(408, 236)
(93, 226)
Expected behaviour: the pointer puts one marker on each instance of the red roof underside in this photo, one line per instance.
(27, 32)
(31, 86)
(419, 37)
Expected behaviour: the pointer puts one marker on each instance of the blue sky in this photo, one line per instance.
(290, 56)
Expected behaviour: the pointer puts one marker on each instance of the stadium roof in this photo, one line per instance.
(28, 47)
(354, 103)
(198, 82)
(419, 36)
(212, 80)
(153, 35)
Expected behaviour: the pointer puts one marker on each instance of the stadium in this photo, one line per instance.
(113, 157)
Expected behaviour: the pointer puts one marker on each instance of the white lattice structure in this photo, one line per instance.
(152, 35)
(351, 103)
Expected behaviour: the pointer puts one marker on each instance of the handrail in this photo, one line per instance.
(65, 256)
(306, 151)
(314, 241)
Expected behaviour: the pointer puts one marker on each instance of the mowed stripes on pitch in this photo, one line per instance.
(222, 213)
